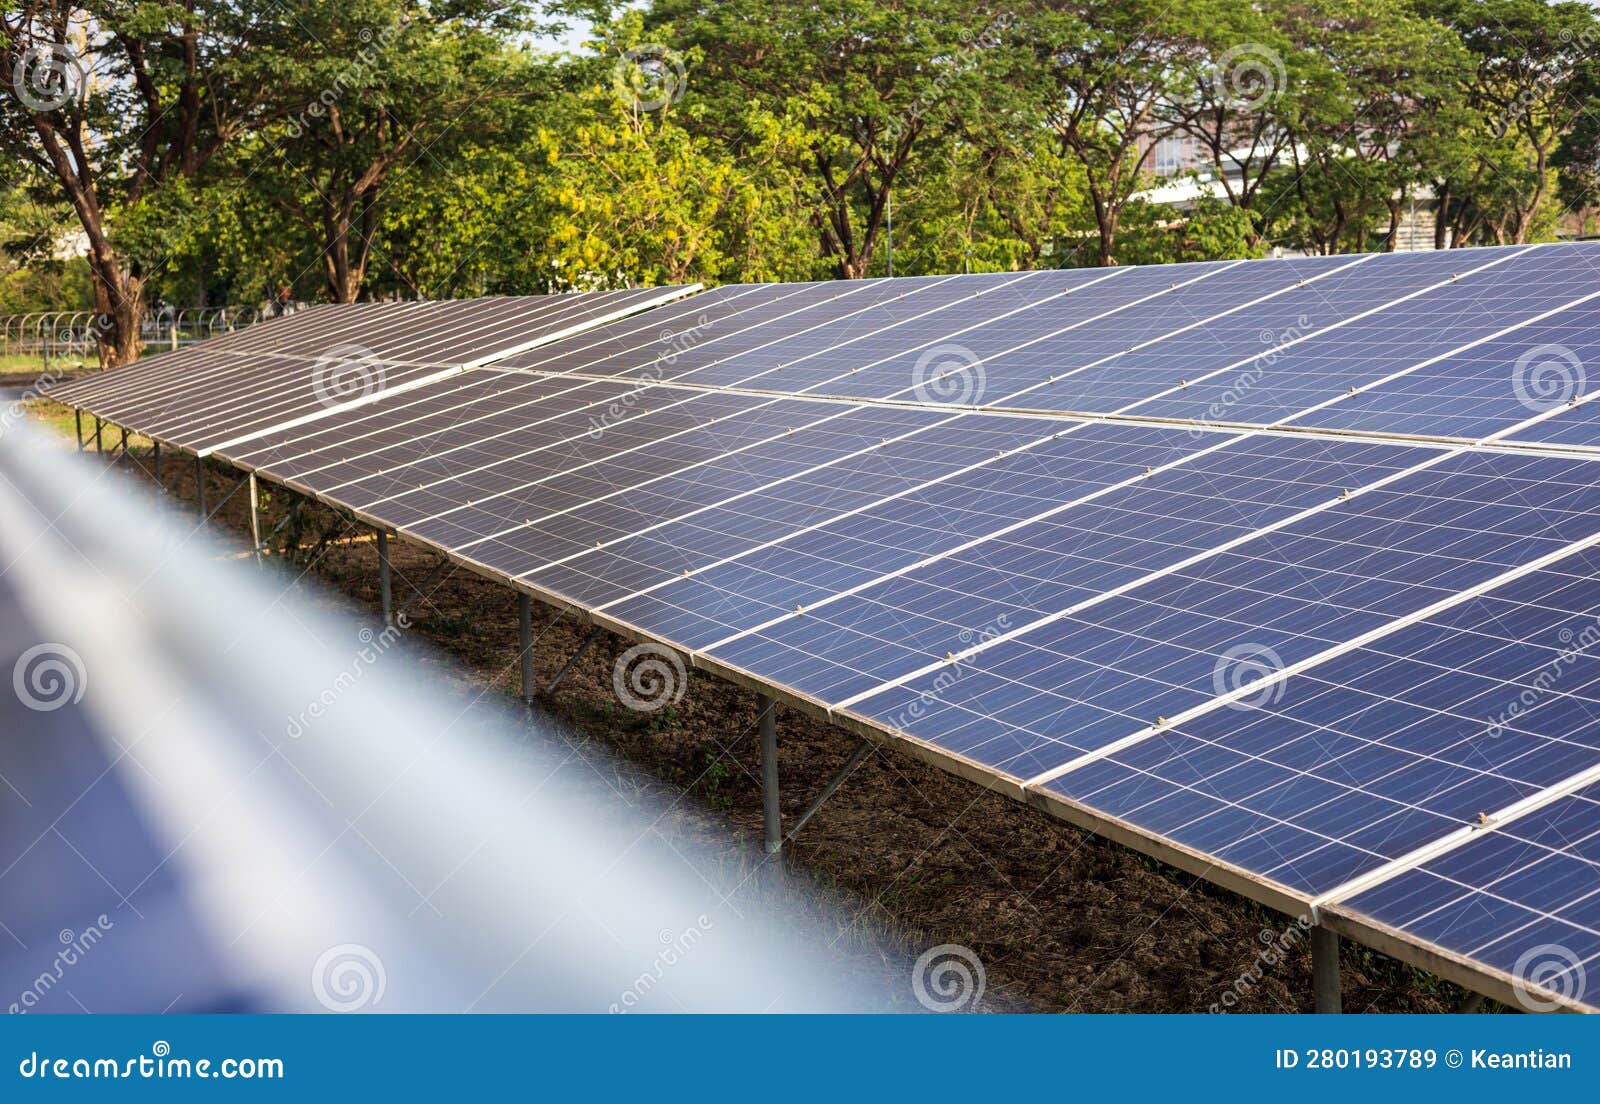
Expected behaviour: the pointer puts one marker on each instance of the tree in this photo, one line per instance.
(113, 101)
(1100, 72)
(1534, 79)
(1237, 77)
(873, 84)
(389, 80)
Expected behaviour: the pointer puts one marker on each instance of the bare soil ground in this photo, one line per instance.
(1062, 921)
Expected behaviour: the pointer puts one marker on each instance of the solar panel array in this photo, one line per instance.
(305, 366)
(1281, 570)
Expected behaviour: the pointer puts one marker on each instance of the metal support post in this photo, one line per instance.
(200, 487)
(255, 517)
(156, 456)
(1325, 969)
(525, 640)
(77, 419)
(99, 446)
(123, 459)
(771, 816)
(384, 588)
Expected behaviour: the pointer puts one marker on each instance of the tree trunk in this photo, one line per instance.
(119, 309)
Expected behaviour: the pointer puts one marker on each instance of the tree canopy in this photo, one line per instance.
(211, 151)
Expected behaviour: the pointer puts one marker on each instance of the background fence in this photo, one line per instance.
(62, 336)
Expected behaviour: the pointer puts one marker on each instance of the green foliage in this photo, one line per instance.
(381, 147)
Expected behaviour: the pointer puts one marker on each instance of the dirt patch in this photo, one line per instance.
(1062, 921)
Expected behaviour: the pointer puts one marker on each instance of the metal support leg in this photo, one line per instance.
(77, 420)
(383, 578)
(123, 459)
(200, 486)
(525, 640)
(99, 446)
(156, 456)
(1325, 969)
(771, 816)
(255, 517)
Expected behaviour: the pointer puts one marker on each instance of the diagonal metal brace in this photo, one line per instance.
(834, 783)
(420, 590)
(573, 662)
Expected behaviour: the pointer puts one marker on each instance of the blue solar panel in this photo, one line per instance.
(1381, 749)
(985, 339)
(1228, 345)
(1523, 899)
(897, 626)
(769, 492)
(1326, 367)
(1078, 683)
(780, 567)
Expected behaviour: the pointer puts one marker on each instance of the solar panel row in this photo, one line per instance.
(298, 369)
(1272, 653)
